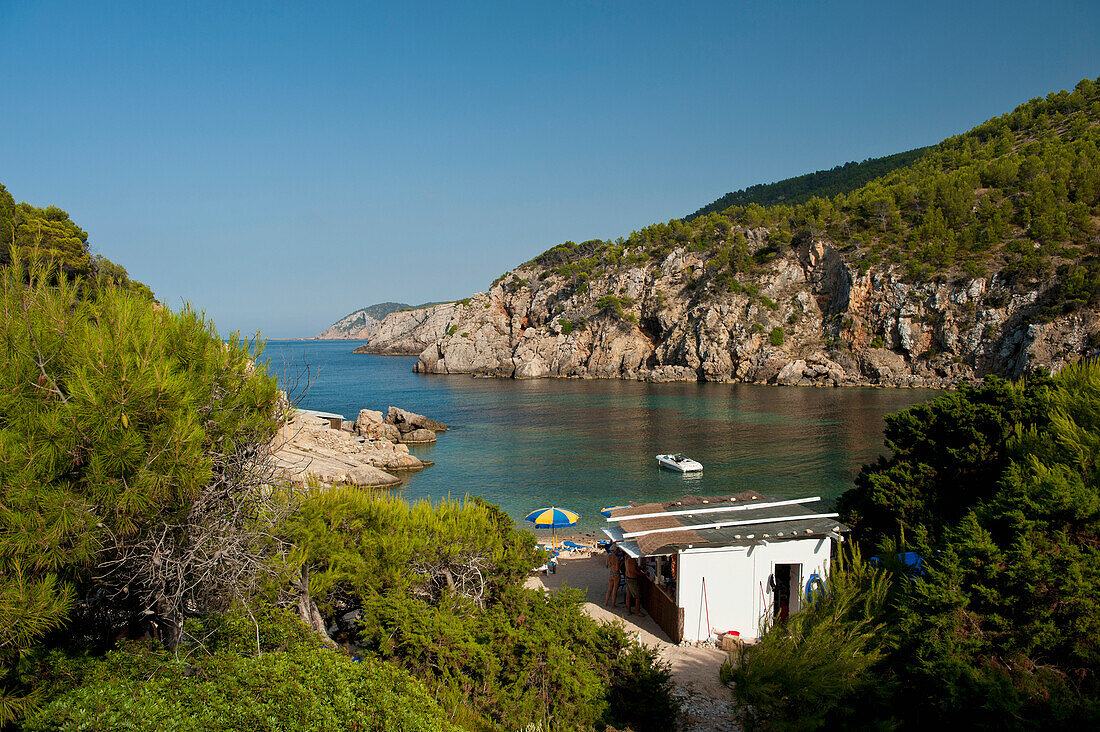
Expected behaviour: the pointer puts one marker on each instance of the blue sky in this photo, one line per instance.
(281, 164)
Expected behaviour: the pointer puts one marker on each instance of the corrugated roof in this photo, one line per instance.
(680, 504)
(688, 531)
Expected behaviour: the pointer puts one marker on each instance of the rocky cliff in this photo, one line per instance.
(408, 332)
(980, 256)
(362, 324)
(357, 326)
(808, 318)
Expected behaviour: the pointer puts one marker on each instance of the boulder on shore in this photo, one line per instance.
(418, 435)
(306, 448)
(302, 465)
(383, 431)
(406, 421)
(366, 418)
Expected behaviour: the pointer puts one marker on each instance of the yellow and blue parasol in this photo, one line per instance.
(552, 518)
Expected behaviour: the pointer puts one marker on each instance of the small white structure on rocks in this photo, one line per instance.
(725, 563)
(317, 446)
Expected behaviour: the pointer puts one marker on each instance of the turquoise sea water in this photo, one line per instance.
(584, 444)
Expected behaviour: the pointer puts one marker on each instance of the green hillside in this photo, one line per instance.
(382, 309)
(1018, 195)
(823, 184)
(378, 310)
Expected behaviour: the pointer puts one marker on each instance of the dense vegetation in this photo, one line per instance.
(996, 488)
(50, 234)
(379, 310)
(1018, 195)
(138, 500)
(48, 230)
(127, 443)
(439, 590)
(821, 184)
(292, 685)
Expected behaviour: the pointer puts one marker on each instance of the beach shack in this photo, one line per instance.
(724, 563)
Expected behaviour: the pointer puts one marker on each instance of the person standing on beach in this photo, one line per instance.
(633, 586)
(613, 565)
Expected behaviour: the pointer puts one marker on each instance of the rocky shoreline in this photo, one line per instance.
(366, 452)
(810, 318)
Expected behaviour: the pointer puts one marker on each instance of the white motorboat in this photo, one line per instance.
(679, 463)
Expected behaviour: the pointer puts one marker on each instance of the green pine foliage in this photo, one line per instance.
(1009, 621)
(114, 415)
(996, 487)
(49, 231)
(615, 306)
(822, 184)
(945, 456)
(219, 685)
(132, 444)
(803, 672)
(314, 689)
(50, 235)
(1018, 196)
(439, 591)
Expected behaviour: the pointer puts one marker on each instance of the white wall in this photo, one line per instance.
(735, 578)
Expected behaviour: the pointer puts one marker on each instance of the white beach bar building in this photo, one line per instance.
(724, 563)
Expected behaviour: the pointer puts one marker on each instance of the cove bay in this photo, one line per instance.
(586, 444)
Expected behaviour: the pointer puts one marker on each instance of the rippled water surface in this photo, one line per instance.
(588, 444)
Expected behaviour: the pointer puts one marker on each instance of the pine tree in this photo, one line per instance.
(132, 455)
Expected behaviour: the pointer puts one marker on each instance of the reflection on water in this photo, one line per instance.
(587, 444)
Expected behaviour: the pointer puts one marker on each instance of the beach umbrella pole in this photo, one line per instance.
(568, 518)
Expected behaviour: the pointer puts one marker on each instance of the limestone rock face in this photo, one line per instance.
(366, 418)
(306, 448)
(408, 332)
(358, 326)
(418, 436)
(385, 432)
(406, 421)
(806, 317)
(792, 374)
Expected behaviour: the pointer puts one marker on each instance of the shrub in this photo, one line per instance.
(304, 689)
(801, 671)
(640, 694)
(440, 592)
(996, 487)
(777, 336)
(566, 326)
(614, 305)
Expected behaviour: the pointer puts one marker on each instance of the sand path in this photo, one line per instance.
(708, 704)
